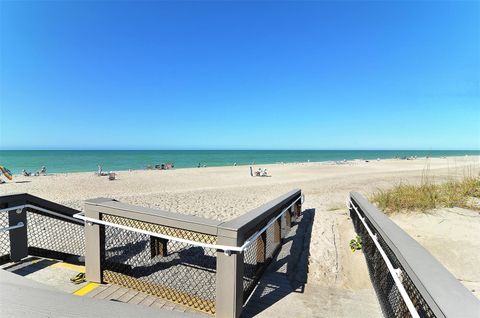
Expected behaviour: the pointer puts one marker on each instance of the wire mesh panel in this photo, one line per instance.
(176, 271)
(270, 246)
(250, 270)
(4, 238)
(390, 299)
(54, 237)
(257, 257)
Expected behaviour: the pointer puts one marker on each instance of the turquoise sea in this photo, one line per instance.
(87, 160)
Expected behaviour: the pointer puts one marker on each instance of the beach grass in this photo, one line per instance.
(429, 195)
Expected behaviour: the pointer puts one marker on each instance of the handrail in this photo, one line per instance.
(252, 238)
(149, 215)
(443, 293)
(246, 225)
(35, 207)
(394, 272)
(168, 237)
(25, 200)
(8, 228)
(226, 248)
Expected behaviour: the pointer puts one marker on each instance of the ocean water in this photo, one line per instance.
(87, 160)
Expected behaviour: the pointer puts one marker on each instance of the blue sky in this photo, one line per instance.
(225, 75)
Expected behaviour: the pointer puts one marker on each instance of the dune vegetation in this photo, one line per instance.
(463, 193)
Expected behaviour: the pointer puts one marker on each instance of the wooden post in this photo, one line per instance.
(277, 231)
(158, 246)
(229, 293)
(298, 207)
(261, 248)
(288, 216)
(94, 246)
(18, 237)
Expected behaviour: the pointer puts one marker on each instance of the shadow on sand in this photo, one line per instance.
(289, 272)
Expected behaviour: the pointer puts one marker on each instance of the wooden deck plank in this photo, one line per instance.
(158, 303)
(168, 306)
(96, 291)
(107, 292)
(148, 301)
(118, 293)
(128, 295)
(137, 298)
(179, 308)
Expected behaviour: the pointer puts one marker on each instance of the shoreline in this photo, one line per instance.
(273, 164)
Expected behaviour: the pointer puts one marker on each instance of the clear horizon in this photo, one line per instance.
(179, 149)
(240, 76)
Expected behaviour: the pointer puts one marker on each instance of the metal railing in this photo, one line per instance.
(204, 264)
(33, 226)
(13, 227)
(409, 281)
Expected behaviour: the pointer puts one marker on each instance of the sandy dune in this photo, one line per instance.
(225, 192)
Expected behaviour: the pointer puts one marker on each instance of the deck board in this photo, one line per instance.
(96, 291)
(118, 293)
(138, 298)
(149, 300)
(125, 298)
(107, 292)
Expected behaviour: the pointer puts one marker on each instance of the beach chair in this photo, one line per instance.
(111, 176)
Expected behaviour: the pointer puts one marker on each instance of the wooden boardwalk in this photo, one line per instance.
(57, 274)
(129, 296)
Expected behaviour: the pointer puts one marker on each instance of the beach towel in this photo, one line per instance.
(6, 172)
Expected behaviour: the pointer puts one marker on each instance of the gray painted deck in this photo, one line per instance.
(39, 270)
(129, 296)
(23, 297)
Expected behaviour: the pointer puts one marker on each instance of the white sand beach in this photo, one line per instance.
(451, 235)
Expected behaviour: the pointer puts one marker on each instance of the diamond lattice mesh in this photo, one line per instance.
(176, 271)
(257, 257)
(4, 238)
(54, 237)
(391, 301)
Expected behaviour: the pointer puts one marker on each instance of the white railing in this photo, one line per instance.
(35, 207)
(394, 272)
(13, 227)
(226, 248)
(80, 216)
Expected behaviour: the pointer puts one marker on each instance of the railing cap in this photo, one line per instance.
(253, 220)
(13, 197)
(435, 283)
(166, 218)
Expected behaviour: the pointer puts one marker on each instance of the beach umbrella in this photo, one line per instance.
(6, 172)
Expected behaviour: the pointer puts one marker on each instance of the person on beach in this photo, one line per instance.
(99, 171)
